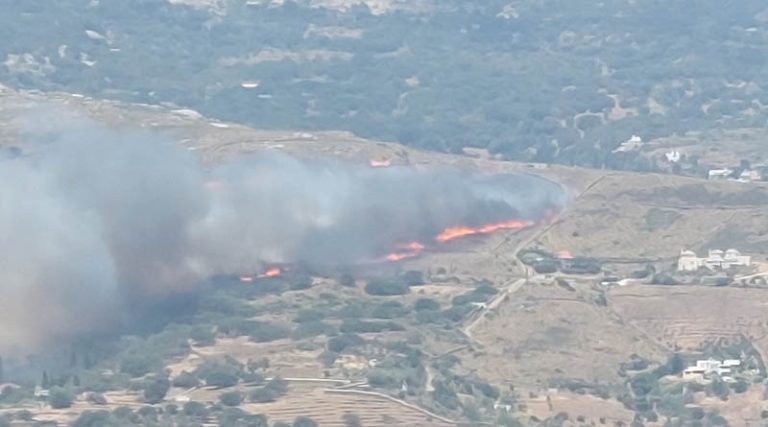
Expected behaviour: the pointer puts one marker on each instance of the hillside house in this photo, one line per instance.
(749, 175)
(719, 174)
(708, 367)
(635, 143)
(715, 260)
(673, 156)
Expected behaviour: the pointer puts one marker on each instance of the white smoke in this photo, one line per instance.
(97, 219)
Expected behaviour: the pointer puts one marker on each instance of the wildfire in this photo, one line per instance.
(409, 250)
(272, 272)
(463, 231)
(380, 163)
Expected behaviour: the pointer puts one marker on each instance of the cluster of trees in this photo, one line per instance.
(397, 285)
(541, 86)
(192, 413)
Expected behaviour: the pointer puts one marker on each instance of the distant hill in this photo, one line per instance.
(546, 80)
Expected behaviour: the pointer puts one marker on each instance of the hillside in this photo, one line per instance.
(482, 332)
(545, 81)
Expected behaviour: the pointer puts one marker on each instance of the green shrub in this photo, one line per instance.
(94, 419)
(344, 341)
(232, 398)
(366, 326)
(313, 329)
(155, 390)
(304, 422)
(195, 409)
(389, 310)
(412, 278)
(270, 391)
(139, 364)
(60, 398)
(221, 379)
(186, 380)
(426, 304)
(309, 315)
(347, 280)
(385, 287)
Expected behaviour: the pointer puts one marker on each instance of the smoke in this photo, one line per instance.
(98, 220)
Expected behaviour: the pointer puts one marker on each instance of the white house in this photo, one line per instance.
(716, 260)
(719, 174)
(673, 156)
(749, 175)
(633, 144)
(711, 366)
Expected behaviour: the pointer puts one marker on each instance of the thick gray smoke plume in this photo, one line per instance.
(97, 218)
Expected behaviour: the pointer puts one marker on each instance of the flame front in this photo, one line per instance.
(380, 163)
(451, 233)
(409, 250)
(272, 272)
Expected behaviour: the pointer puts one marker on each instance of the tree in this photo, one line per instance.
(221, 379)
(426, 304)
(195, 409)
(384, 287)
(301, 282)
(232, 398)
(60, 398)
(148, 413)
(304, 422)
(413, 278)
(186, 380)
(155, 390)
(138, 364)
(97, 398)
(344, 341)
(94, 419)
(272, 390)
(347, 280)
(351, 420)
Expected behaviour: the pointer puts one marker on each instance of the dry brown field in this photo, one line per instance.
(593, 409)
(687, 317)
(544, 331)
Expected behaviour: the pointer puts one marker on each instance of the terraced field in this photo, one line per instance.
(327, 407)
(687, 317)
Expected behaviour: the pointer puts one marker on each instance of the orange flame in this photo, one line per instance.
(451, 233)
(380, 163)
(272, 272)
(409, 250)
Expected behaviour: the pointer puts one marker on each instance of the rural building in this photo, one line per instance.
(715, 260)
(633, 144)
(749, 175)
(711, 366)
(673, 156)
(719, 174)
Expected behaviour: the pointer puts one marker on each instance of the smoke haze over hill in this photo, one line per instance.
(98, 221)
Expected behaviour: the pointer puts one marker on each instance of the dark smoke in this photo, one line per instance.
(97, 220)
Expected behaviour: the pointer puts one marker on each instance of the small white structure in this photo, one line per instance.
(633, 144)
(749, 175)
(716, 260)
(41, 392)
(181, 398)
(719, 174)
(250, 84)
(711, 366)
(673, 156)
